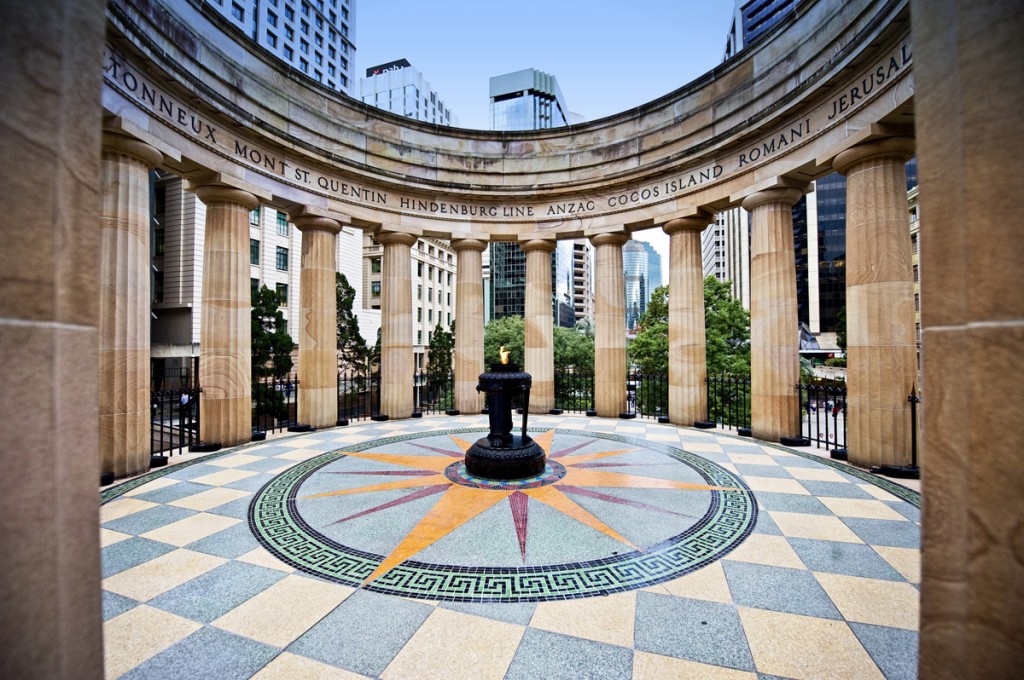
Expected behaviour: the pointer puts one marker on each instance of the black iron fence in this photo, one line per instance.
(358, 394)
(823, 413)
(646, 394)
(433, 392)
(174, 420)
(173, 374)
(574, 391)
(275, 403)
(729, 400)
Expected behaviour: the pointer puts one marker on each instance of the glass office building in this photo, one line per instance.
(527, 100)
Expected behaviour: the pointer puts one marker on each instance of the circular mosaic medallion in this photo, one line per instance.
(401, 516)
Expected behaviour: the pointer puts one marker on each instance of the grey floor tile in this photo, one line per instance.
(207, 654)
(790, 502)
(886, 532)
(851, 559)
(763, 471)
(130, 553)
(835, 489)
(254, 483)
(706, 632)
(197, 470)
(518, 613)
(794, 591)
(213, 594)
(765, 524)
(114, 605)
(553, 656)
(230, 543)
(907, 510)
(893, 649)
(364, 633)
(172, 492)
(239, 509)
(147, 520)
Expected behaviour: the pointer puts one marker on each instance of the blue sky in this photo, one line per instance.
(608, 55)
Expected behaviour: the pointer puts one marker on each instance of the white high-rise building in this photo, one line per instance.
(725, 251)
(317, 37)
(399, 88)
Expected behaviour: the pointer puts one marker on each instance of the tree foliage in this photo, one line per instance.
(352, 349)
(271, 344)
(509, 332)
(726, 329)
(841, 328)
(439, 351)
(573, 349)
(649, 349)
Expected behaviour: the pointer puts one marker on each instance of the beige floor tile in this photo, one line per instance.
(284, 611)
(863, 508)
(277, 471)
(822, 474)
(630, 430)
(648, 666)
(776, 485)
(774, 551)
(704, 447)
(877, 492)
(139, 634)
(161, 574)
(211, 498)
(261, 557)
(191, 529)
(288, 666)
(604, 619)
(907, 561)
(453, 646)
(122, 507)
(730, 467)
(299, 455)
(805, 647)
(235, 460)
(158, 483)
(752, 459)
(823, 527)
(663, 437)
(224, 477)
(735, 441)
(707, 583)
(867, 600)
(300, 442)
(109, 537)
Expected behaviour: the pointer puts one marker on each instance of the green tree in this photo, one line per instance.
(573, 349)
(726, 329)
(841, 328)
(649, 349)
(352, 349)
(509, 332)
(271, 353)
(439, 351)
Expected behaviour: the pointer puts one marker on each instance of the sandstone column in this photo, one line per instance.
(124, 305)
(318, 324)
(609, 325)
(882, 347)
(687, 361)
(539, 344)
(774, 327)
(50, 187)
(970, 143)
(469, 328)
(225, 336)
(396, 359)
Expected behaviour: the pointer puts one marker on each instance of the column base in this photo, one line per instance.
(898, 471)
(157, 460)
(341, 422)
(106, 478)
(301, 428)
(744, 432)
(204, 447)
(379, 418)
(705, 424)
(839, 454)
(794, 441)
(453, 412)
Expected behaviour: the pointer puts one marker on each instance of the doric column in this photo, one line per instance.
(396, 358)
(687, 361)
(609, 325)
(318, 323)
(539, 342)
(469, 329)
(881, 344)
(969, 95)
(774, 327)
(225, 335)
(124, 305)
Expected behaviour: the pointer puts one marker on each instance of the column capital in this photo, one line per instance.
(396, 237)
(610, 239)
(900, 149)
(469, 244)
(222, 193)
(695, 222)
(544, 244)
(786, 195)
(316, 223)
(129, 146)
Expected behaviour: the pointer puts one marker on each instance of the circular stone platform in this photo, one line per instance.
(402, 516)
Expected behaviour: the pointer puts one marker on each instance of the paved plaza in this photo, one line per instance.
(642, 550)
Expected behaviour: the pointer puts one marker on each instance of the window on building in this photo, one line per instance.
(419, 337)
(318, 58)
(439, 273)
(375, 289)
(158, 241)
(158, 286)
(430, 315)
(419, 292)
(344, 81)
(282, 258)
(271, 39)
(419, 315)
(319, 40)
(289, 13)
(305, 8)
(449, 273)
(254, 217)
(303, 65)
(282, 224)
(375, 265)
(304, 47)
(254, 251)
(288, 53)
(318, 76)
(430, 294)
(344, 63)
(319, 22)
(282, 294)
(271, 19)
(289, 33)
(254, 286)
(331, 52)
(449, 299)
(237, 11)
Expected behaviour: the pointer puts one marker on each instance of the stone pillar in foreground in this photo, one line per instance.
(609, 325)
(968, 104)
(774, 326)
(124, 274)
(539, 356)
(469, 327)
(687, 360)
(318, 323)
(881, 344)
(225, 336)
(396, 357)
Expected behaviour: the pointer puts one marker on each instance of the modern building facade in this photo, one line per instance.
(754, 18)
(399, 88)
(317, 37)
(583, 280)
(635, 276)
(725, 251)
(527, 100)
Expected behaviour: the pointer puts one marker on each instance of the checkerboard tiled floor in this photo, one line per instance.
(825, 586)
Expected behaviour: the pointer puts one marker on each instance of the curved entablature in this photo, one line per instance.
(181, 78)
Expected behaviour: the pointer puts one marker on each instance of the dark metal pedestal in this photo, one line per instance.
(502, 455)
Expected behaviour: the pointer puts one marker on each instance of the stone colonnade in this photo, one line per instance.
(538, 324)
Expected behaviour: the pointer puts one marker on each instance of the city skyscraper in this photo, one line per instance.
(527, 100)
(399, 88)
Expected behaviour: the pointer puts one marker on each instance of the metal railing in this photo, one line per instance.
(433, 392)
(823, 413)
(574, 391)
(646, 394)
(275, 403)
(174, 420)
(729, 400)
(358, 394)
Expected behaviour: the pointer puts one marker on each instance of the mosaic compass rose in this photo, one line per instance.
(600, 518)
